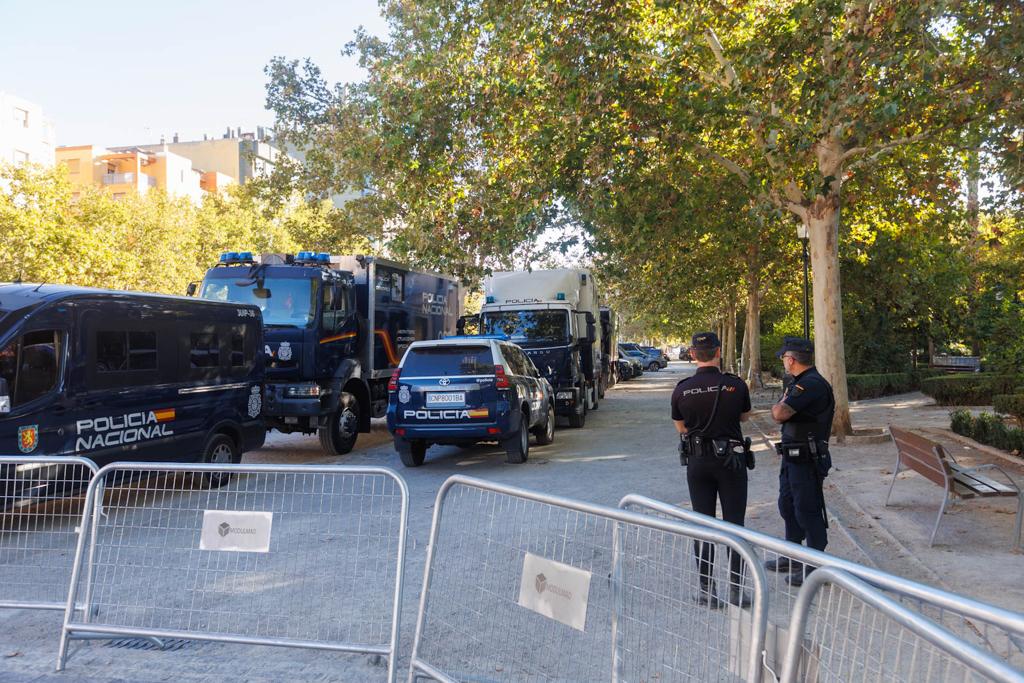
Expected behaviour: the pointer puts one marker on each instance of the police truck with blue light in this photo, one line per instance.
(334, 329)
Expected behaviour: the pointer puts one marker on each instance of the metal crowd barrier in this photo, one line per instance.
(993, 629)
(41, 501)
(521, 585)
(303, 556)
(858, 634)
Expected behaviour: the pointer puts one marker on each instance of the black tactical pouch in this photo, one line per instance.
(748, 454)
(684, 450)
(824, 463)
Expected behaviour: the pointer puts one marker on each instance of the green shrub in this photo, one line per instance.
(988, 429)
(871, 386)
(976, 389)
(1010, 404)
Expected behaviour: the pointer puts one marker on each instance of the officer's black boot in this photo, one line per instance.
(707, 595)
(781, 564)
(799, 573)
(739, 597)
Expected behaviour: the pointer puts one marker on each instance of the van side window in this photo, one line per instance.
(31, 364)
(120, 351)
(238, 349)
(204, 351)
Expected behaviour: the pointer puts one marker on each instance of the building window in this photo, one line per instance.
(119, 195)
(20, 157)
(74, 165)
(21, 117)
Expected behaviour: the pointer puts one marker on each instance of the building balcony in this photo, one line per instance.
(128, 179)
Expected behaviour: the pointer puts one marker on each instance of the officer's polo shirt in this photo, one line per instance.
(694, 398)
(810, 395)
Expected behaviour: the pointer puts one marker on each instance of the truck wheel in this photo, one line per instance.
(596, 394)
(601, 388)
(342, 430)
(579, 418)
(517, 447)
(545, 432)
(412, 453)
(220, 450)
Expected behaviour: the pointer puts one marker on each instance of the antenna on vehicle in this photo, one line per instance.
(39, 287)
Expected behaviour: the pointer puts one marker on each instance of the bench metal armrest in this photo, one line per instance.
(991, 466)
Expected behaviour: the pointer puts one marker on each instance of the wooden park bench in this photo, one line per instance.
(930, 459)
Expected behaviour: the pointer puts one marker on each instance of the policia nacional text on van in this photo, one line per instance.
(707, 409)
(805, 410)
(125, 376)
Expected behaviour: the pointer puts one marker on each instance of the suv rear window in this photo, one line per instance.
(448, 360)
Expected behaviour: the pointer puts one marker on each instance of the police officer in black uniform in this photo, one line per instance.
(707, 409)
(805, 412)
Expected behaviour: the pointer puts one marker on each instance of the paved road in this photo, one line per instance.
(628, 446)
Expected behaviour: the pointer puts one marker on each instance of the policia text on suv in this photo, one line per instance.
(707, 409)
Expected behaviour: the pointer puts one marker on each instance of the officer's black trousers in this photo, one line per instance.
(801, 504)
(709, 481)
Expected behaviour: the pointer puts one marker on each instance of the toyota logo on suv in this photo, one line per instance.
(444, 381)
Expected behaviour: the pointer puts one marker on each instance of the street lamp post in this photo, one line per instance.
(801, 233)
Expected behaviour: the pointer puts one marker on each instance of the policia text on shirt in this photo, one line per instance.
(707, 409)
(805, 411)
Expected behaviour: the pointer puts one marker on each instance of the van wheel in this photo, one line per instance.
(412, 453)
(220, 450)
(339, 436)
(545, 432)
(517, 447)
(654, 367)
(579, 418)
(594, 404)
(601, 387)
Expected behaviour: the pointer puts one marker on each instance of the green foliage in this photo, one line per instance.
(150, 242)
(1010, 404)
(872, 386)
(988, 429)
(975, 389)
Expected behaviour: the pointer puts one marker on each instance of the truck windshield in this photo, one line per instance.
(285, 302)
(528, 325)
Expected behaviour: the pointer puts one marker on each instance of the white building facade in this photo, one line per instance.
(26, 136)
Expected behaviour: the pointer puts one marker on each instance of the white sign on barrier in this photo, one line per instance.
(246, 532)
(555, 590)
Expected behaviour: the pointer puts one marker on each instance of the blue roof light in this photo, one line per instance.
(490, 299)
(323, 257)
(245, 256)
(499, 337)
(304, 256)
(229, 257)
(560, 296)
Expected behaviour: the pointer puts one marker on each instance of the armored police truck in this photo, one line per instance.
(334, 327)
(125, 376)
(552, 315)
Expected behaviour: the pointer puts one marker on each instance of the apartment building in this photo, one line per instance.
(131, 170)
(236, 155)
(26, 136)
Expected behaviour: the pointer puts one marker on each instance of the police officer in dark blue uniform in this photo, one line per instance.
(707, 409)
(805, 412)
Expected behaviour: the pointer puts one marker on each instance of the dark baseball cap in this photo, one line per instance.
(705, 341)
(798, 344)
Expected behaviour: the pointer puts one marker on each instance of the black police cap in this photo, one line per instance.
(798, 344)
(705, 341)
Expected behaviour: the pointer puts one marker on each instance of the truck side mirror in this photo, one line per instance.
(591, 328)
(192, 288)
(5, 397)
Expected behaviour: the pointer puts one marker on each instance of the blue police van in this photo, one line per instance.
(463, 390)
(114, 376)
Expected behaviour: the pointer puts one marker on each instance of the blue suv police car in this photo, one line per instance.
(463, 390)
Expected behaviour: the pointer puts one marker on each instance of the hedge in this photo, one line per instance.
(976, 389)
(873, 386)
(1010, 404)
(988, 429)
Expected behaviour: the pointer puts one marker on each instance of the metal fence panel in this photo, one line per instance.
(993, 629)
(41, 502)
(527, 587)
(855, 633)
(308, 556)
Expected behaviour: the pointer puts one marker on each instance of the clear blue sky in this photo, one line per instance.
(118, 73)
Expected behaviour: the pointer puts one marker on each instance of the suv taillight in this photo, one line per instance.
(393, 382)
(500, 380)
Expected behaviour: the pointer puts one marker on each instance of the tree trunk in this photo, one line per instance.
(973, 181)
(731, 331)
(752, 327)
(745, 353)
